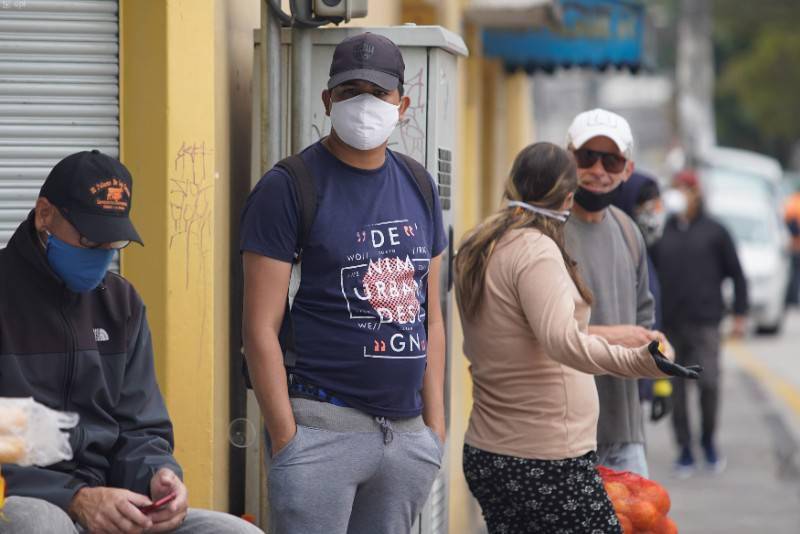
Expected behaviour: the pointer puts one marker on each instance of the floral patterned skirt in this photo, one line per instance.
(523, 496)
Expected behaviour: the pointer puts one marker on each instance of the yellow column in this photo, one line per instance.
(495, 135)
(167, 141)
(470, 131)
(519, 114)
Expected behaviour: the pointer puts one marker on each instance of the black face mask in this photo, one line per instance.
(591, 201)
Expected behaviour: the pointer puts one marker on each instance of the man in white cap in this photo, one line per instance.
(611, 254)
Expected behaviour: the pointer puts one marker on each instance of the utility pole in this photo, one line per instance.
(301, 78)
(695, 79)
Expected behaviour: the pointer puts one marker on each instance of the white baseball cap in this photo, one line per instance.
(599, 122)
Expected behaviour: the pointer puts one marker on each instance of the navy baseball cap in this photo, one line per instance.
(369, 57)
(93, 192)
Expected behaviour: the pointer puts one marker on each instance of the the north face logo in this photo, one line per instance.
(363, 51)
(100, 334)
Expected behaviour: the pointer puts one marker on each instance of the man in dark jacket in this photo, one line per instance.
(694, 256)
(640, 199)
(75, 338)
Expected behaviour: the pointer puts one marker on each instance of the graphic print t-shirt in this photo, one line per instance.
(359, 317)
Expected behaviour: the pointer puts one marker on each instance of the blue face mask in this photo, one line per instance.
(82, 269)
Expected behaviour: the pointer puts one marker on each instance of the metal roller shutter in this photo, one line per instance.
(59, 92)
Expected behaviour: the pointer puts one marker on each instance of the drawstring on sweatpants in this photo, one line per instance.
(386, 428)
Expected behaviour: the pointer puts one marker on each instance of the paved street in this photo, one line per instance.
(760, 490)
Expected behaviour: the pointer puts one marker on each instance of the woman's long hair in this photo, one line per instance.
(543, 175)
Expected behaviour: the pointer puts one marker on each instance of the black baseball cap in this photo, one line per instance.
(369, 57)
(93, 191)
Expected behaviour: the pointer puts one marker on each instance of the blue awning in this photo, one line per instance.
(593, 34)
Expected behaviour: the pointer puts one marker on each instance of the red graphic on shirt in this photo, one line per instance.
(390, 288)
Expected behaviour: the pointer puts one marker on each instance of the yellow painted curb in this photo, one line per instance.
(778, 385)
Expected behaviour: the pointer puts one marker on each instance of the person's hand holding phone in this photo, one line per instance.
(103, 509)
(172, 510)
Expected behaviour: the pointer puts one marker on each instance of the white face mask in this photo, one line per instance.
(651, 224)
(365, 121)
(675, 202)
(560, 216)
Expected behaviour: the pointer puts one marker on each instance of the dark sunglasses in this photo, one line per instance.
(586, 158)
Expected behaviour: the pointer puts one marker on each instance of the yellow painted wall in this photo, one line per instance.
(143, 149)
(507, 127)
(495, 134)
(381, 13)
(519, 115)
(185, 77)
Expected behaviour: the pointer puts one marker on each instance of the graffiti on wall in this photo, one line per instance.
(412, 127)
(190, 188)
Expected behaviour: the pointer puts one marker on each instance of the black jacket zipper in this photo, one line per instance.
(70, 363)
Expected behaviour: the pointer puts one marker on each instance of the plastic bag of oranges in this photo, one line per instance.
(641, 504)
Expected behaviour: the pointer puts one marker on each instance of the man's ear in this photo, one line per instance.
(44, 214)
(326, 101)
(629, 167)
(404, 103)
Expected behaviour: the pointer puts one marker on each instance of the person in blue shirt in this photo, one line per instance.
(356, 421)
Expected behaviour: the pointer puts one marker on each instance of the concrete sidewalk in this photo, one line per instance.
(759, 493)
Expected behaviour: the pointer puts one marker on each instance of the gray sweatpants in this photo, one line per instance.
(26, 515)
(345, 472)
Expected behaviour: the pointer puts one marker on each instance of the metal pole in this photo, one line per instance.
(301, 80)
(271, 131)
(270, 137)
(695, 79)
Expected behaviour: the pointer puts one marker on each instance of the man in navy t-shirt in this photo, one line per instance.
(356, 422)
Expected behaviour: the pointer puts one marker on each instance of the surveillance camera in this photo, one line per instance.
(345, 9)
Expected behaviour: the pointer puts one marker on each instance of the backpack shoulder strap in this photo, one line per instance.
(305, 193)
(305, 189)
(426, 187)
(629, 233)
(420, 176)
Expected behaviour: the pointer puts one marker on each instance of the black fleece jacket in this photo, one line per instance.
(88, 353)
(692, 261)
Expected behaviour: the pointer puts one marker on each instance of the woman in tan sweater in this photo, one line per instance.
(529, 452)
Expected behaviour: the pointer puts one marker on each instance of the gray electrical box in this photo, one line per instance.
(427, 133)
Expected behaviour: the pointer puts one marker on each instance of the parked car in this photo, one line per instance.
(735, 167)
(762, 243)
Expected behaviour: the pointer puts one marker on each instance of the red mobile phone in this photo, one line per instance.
(160, 503)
